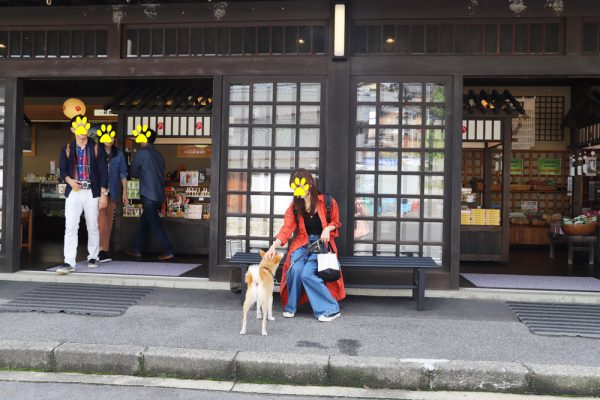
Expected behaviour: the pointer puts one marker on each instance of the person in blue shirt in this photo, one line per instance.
(149, 166)
(117, 184)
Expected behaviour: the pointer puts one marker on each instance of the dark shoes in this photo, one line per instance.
(133, 253)
(329, 317)
(92, 263)
(165, 257)
(103, 257)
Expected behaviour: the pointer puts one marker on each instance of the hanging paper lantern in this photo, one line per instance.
(73, 107)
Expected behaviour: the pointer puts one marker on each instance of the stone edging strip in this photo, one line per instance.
(301, 369)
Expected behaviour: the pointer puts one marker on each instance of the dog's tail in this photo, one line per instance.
(248, 278)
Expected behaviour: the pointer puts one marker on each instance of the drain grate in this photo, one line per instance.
(83, 299)
(557, 319)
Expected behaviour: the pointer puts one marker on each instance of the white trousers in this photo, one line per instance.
(77, 202)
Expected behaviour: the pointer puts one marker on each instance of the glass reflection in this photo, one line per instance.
(388, 115)
(262, 92)
(286, 91)
(389, 92)
(410, 184)
(412, 92)
(434, 93)
(387, 184)
(260, 204)
(410, 208)
(409, 231)
(365, 138)
(286, 115)
(366, 92)
(387, 207)
(310, 92)
(239, 93)
(365, 160)
(366, 115)
(238, 136)
(262, 114)
(386, 230)
(411, 138)
(412, 115)
(388, 161)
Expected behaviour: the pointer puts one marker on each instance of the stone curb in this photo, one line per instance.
(189, 363)
(98, 358)
(302, 369)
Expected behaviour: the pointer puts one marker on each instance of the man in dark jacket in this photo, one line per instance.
(86, 176)
(149, 166)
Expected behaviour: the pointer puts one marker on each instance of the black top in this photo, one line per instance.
(312, 223)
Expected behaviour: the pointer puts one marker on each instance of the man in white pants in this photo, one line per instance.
(86, 176)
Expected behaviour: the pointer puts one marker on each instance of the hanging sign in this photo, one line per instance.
(548, 166)
(516, 166)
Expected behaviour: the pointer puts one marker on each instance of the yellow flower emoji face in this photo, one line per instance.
(105, 133)
(80, 126)
(300, 187)
(141, 134)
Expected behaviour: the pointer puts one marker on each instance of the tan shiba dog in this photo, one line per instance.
(260, 281)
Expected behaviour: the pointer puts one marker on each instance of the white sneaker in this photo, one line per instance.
(287, 314)
(329, 317)
(65, 269)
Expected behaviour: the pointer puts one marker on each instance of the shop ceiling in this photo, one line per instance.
(130, 95)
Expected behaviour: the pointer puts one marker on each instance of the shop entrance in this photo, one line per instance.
(180, 111)
(521, 146)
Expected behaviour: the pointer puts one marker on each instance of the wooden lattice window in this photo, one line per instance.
(549, 113)
(45, 43)
(206, 40)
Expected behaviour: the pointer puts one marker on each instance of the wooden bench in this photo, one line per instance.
(419, 266)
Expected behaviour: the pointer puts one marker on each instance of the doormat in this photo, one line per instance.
(134, 268)
(559, 319)
(500, 281)
(82, 299)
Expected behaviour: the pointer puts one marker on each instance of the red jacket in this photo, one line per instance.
(336, 288)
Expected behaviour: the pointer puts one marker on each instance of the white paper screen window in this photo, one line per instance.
(175, 130)
(206, 128)
(191, 131)
(199, 127)
(489, 134)
(160, 126)
(471, 130)
(138, 121)
(145, 121)
(480, 135)
(152, 124)
(497, 130)
(182, 126)
(130, 125)
(168, 126)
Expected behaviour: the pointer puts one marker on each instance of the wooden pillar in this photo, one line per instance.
(13, 161)
(454, 146)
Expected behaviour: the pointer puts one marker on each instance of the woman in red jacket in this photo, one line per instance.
(307, 216)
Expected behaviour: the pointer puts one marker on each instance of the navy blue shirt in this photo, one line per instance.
(149, 165)
(117, 170)
(98, 167)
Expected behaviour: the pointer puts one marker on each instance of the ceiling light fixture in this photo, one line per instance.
(301, 41)
(2, 46)
(339, 30)
(390, 40)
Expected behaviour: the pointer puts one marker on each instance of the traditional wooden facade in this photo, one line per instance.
(279, 89)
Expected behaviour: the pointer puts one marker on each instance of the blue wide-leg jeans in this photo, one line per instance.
(303, 274)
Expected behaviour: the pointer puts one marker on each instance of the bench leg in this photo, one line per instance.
(421, 290)
(415, 294)
(243, 270)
